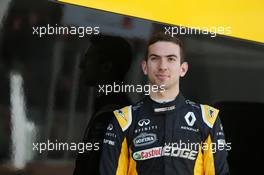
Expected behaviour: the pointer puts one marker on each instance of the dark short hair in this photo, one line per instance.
(163, 37)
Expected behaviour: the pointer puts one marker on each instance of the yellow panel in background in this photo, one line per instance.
(245, 17)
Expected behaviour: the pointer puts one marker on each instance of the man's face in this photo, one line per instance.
(163, 65)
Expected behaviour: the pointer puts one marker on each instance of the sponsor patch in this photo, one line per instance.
(190, 118)
(144, 129)
(144, 125)
(190, 129)
(143, 122)
(148, 153)
(110, 134)
(144, 139)
(121, 113)
(192, 103)
(165, 151)
(110, 127)
(211, 112)
(109, 142)
(164, 109)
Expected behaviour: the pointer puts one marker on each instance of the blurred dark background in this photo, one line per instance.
(45, 93)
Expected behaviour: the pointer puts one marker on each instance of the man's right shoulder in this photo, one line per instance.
(124, 115)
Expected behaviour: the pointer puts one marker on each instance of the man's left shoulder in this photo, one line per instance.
(207, 113)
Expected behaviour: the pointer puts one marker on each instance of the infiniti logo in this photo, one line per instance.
(144, 122)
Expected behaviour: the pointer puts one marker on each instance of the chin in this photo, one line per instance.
(163, 85)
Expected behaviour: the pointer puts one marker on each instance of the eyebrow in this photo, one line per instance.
(172, 55)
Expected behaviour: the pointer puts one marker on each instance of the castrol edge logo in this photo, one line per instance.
(148, 153)
(165, 151)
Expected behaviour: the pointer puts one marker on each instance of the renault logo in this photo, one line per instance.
(190, 118)
(144, 122)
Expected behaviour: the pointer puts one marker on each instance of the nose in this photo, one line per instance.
(163, 64)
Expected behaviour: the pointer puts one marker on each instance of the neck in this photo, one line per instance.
(166, 95)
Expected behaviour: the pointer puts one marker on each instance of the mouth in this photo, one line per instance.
(162, 77)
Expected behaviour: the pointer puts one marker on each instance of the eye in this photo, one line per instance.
(153, 58)
(171, 59)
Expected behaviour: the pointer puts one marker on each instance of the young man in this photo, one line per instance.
(164, 134)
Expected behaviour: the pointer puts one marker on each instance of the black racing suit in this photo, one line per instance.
(174, 138)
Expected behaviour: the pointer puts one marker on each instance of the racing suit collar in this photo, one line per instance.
(166, 106)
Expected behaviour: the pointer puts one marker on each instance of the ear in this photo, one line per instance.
(144, 66)
(184, 69)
